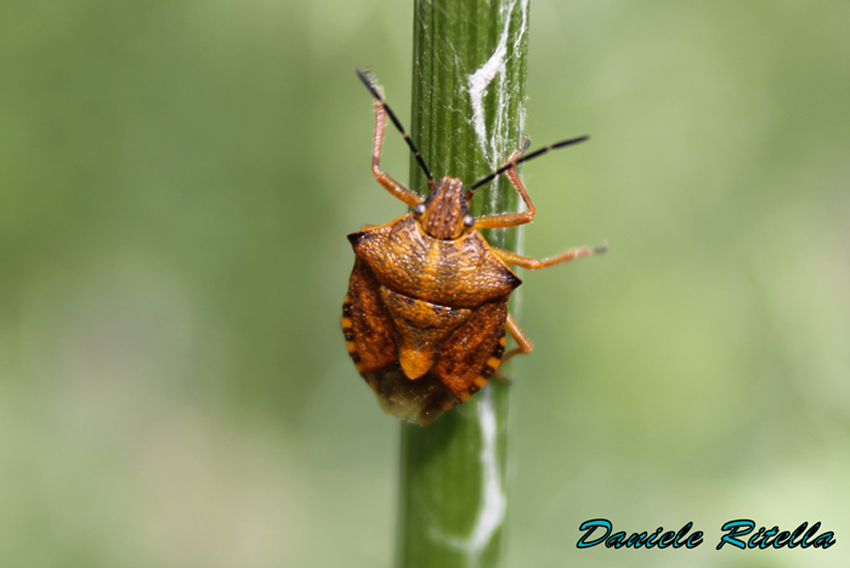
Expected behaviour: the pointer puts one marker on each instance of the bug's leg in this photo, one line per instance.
(535, 264)
(382, 111)
(524, 345)
(511, 219)
(391, 185)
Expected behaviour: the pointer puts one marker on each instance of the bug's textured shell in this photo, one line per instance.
(424, 318)
(459, 273)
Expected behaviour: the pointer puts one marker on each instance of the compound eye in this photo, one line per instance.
(468, 221)
(419, 209)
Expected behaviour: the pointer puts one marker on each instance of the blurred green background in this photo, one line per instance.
(176, 182)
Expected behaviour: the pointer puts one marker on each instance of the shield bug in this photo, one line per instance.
(426, 311)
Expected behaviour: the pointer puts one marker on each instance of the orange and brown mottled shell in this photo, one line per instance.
(424, 318)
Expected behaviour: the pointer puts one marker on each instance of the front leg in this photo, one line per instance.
(391, 185)
(511, 219)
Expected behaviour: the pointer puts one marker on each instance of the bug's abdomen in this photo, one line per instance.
(420, 358)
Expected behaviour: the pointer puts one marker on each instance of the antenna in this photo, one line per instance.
(535, 154)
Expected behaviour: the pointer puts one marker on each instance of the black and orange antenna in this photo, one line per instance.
(527, 157)
(367, 80)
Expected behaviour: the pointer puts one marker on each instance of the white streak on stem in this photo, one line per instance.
(481, 79)
(497, 145)
(491, 515)
(492, 512)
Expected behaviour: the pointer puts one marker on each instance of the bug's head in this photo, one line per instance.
(444, 214)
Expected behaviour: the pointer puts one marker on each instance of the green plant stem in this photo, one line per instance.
(469, 69)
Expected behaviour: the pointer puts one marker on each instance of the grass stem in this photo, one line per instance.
(469, 69)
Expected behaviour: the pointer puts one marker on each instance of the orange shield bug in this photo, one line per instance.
(427, 305)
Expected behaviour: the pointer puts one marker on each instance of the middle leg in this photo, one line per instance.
(535, 264)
